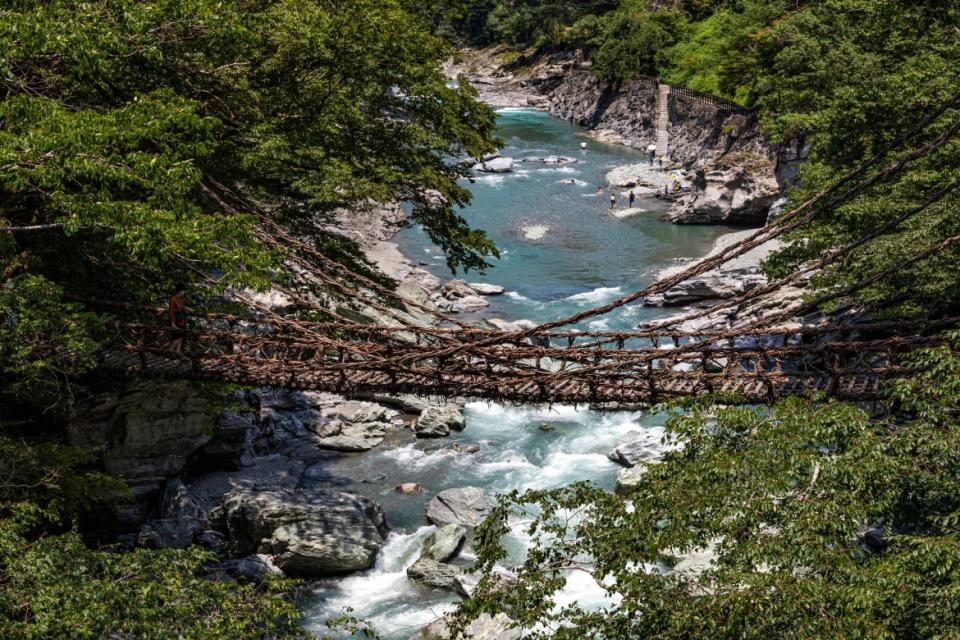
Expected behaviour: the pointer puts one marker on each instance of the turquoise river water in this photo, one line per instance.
(584, 257)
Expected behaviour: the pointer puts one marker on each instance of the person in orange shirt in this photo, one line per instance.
(177, 311)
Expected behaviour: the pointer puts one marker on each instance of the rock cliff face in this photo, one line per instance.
(699, 133)
(148, 432)
(737, 188)
(738, 173)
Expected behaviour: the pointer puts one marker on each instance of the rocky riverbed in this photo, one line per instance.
(735, 173)
(373, 499)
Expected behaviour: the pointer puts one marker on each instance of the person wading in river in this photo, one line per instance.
(177, 312)
(613, 200)
(632, 198)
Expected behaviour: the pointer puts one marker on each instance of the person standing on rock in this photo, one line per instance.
(632, 198)
(177, 312)
(651, 152)
(613, 200)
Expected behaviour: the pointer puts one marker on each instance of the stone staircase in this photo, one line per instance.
(663, 120)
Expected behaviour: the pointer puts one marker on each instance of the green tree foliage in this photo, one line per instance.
(821, 521)
(53, 586)
(544, 24)
(849, 78)
(631, 40)
(714, 53)
(124, 127)
(56, 587)
(132, 135)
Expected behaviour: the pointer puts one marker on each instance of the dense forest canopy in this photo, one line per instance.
(130, 135)
(121, 123)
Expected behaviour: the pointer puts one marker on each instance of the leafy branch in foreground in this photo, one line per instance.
(818, 520)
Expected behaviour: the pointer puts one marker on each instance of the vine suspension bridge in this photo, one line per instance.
(847, 355)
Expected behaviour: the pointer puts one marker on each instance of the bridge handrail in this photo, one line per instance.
(716, 101)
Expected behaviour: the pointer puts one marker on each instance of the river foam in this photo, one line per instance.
(596, 296)
(582, 258)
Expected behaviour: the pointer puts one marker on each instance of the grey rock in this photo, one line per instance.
(326, 427)
(485, 627)
(167, 534)
(637, 446)
(212, 540)
(643, 178)
(486, 289)
(466, 449)
(437, 421)
(231, 441)
(361, 412)
(253, 569)
(431, 430)
(147, 433)
(628, 478)
(559, 160)
(408, 488)
(455, 289)
(699, 133)
(180, 519)
(467, 506)
(177, 503)
(496, 165)
(444, 543)
(739, 188)
(716, 285)
(315, 534)
(435, 575)
(355, 437)
(469, 303)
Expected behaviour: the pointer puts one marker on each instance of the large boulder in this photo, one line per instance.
(179, 520)
(487, 289)
(362, 436)
(316, 534)
(467, 506)
(444, 543)
(485, 627)
(408, 403)
(458, 289)
(629, 478)
(435, 575)
(359, 412)
(638, 446)
(715, 285)
(738, 188)
(230, 445)
(497, 165)
(468, 303)
(437, 421)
